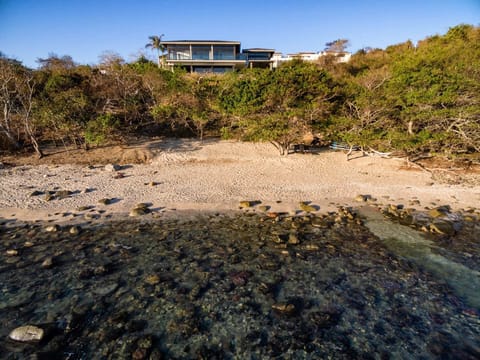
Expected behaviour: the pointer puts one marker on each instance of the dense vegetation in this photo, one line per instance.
(415, 99)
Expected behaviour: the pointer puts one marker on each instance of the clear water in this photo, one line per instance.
(234, 287)
(413, 245)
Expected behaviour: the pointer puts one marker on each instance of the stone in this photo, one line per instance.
(52, 228)
(90, 216)
(105, 290)
(361, 198)
(272, 214)
(74, 230)
(141, 206)
(293, 239)
(439, 211)
(12, 252)
(246, 204)
(47, 263)
(49, 197)
(105, 201)
(63, 194)
(139, 211)
(306, 207)
(443, 227)
(263, 208)
(153, 279)
(84, 208)
(283, 308)
(37, 193)
(311, 247)
(112, 167)
(27, 333)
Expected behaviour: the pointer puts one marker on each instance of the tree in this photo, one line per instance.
(156, 44)
(55, 62)
(17, 87)
(62, 101)
(337, 46)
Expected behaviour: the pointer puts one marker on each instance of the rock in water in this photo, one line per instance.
(27, 333)
(444, 227)
(47, 263)
(52, 228)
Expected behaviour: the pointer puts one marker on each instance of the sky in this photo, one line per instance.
(85, 29)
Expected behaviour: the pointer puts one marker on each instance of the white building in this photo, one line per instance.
(279, 58)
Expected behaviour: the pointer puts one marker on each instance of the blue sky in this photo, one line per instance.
(84, 29)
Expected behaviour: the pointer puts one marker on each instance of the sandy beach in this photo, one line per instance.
(186, 175)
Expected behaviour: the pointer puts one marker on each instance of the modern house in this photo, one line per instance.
(214, 56)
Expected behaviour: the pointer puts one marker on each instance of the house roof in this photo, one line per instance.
(201, 42)
(259, 50)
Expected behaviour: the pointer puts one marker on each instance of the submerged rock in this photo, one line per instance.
(444, 227)
(27, 333)
(284, 308)
(52, 228)
(48, 263)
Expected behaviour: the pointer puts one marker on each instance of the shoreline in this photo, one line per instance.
(215, 176)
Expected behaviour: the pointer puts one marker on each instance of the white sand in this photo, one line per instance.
(215, 176)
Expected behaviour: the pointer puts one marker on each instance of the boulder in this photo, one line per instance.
(439, 211)
(443, 227)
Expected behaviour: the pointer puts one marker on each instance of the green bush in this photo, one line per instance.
(98, 131)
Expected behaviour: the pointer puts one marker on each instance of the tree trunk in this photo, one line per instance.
(410, 127)
(36, 147)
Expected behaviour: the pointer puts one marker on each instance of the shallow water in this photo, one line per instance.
(415, 246)
(246, 287)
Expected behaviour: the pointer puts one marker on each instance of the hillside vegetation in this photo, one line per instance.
(422, 99)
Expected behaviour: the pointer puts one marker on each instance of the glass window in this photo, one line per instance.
(178, 52)
(223, 52)
(222, 69)
(201, 52)
(202, 69)
(212, 69)
(259, 56)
